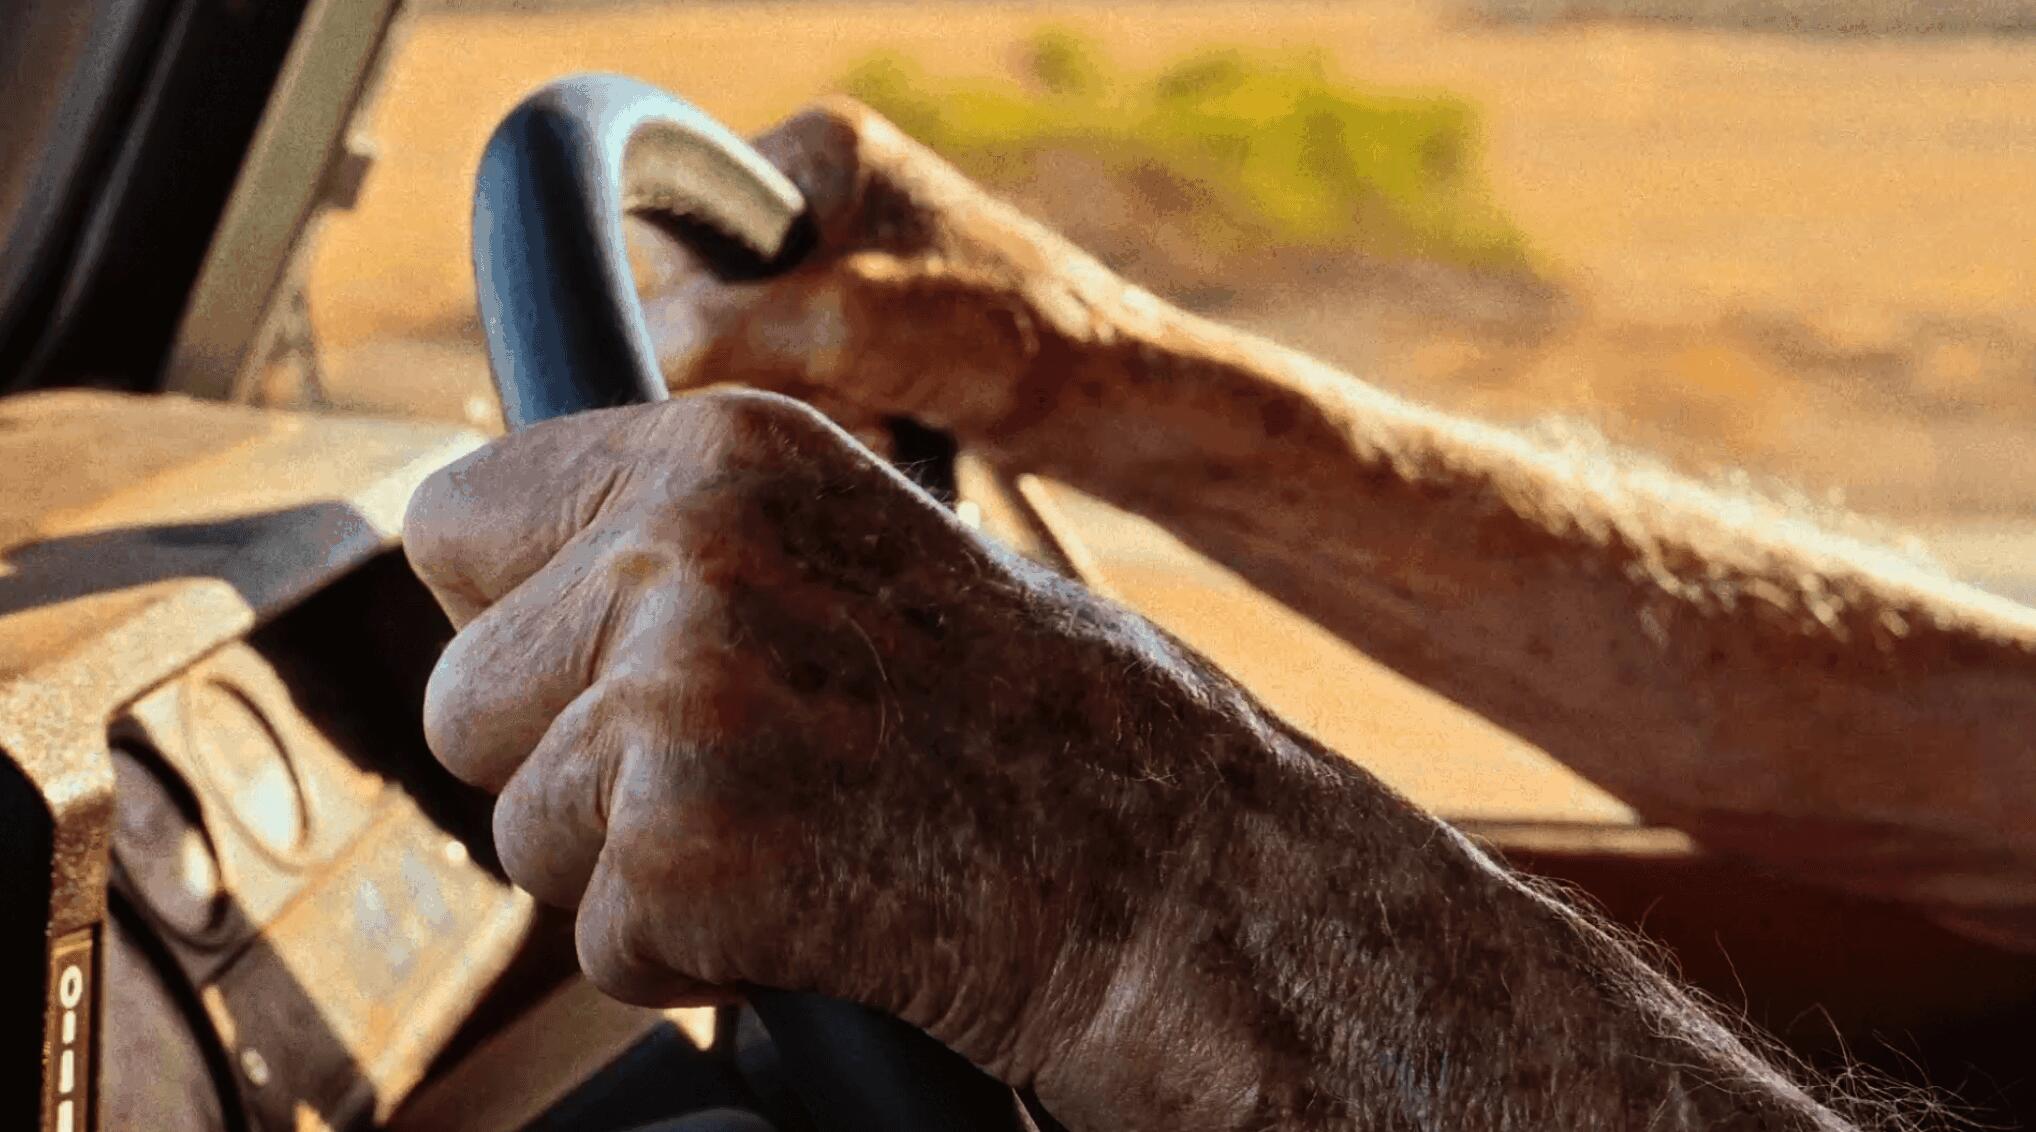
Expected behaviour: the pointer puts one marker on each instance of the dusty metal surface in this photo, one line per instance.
(139, 535)
(154, 528)
(336, 934)
(144, 533)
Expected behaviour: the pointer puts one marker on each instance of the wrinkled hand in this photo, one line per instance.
(769, 715)
(924, 297)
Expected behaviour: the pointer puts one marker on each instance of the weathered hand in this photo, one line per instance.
(769, 715)
(925, 297)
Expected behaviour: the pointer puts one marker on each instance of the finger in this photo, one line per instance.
(615, 936)
(552, 816)
(869, 191)
(868, 185)
(820, 150)
(689, 310)
(699, 333)
(780, 333)
(505, 677)
(478, 527)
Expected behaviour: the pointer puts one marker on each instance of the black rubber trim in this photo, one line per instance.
(566, 334)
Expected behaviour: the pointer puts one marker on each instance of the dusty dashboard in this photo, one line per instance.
(239, 882)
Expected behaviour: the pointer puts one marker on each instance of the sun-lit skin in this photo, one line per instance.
(1723, 663)
(766, 714)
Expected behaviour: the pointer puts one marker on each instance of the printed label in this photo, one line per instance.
(69, 1069)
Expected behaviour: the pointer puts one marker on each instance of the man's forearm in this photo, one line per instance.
(1717, 662)
(1352, 963)
(1821, 705)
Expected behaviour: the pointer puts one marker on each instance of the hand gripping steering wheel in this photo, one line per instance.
(566, 333)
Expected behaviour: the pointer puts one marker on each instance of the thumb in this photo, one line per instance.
(764, 332)
(823, 151)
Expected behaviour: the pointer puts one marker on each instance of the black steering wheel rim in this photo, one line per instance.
(566, 333)
(565, 328)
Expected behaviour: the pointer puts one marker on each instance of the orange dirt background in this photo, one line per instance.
(1675, 175)
(1870, 198)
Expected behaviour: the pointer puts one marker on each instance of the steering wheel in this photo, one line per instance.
(566, 333)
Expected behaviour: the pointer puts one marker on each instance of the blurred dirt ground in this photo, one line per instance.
(1811, 257)
(1815, 257)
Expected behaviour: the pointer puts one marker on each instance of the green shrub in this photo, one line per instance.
(1278, 150)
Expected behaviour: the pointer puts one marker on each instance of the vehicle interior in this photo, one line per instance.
(248, 899)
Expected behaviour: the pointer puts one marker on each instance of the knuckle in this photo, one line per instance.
(839, 117)
(430, 520)
(672, 737)
(615, 948)
(755, 435)
(855, 138)
(750, 415)
(820, 150)
(447, 708)
(516, 840)
(620, 706)
(638, 561)
(536, 850)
